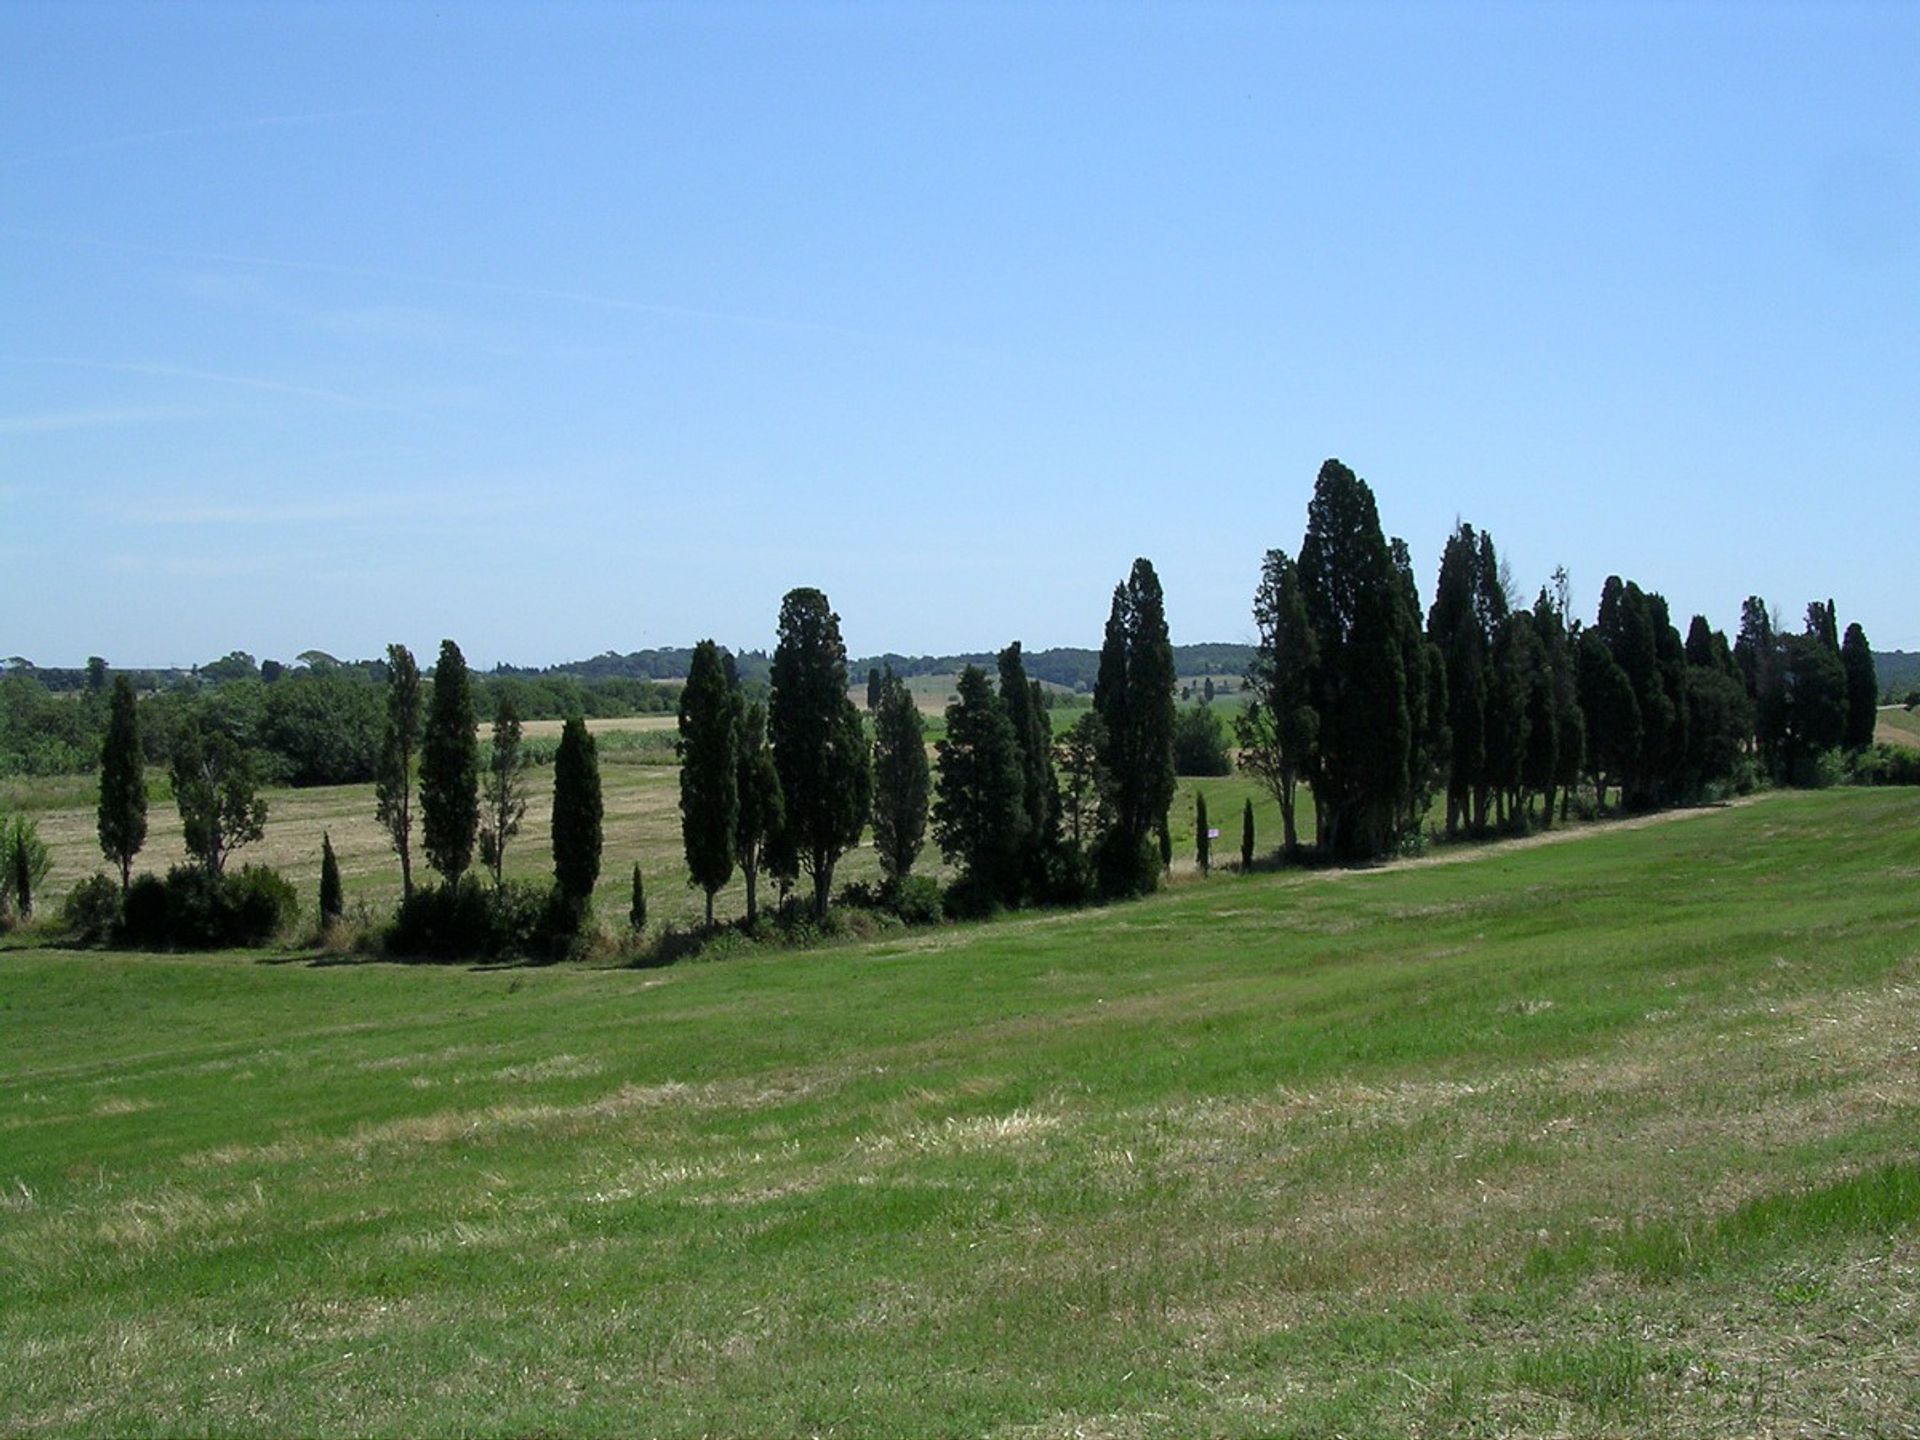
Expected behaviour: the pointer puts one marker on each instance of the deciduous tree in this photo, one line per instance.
(503, 794)
(215, 787)
(1278, 724)
(393, 782)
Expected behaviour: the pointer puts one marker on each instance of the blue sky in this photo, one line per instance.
(566, 328)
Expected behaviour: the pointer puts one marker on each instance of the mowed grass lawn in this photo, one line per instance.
(1615, 1136)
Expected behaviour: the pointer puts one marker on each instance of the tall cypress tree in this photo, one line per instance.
(577, 812)
(1359, 772)
(1040, 791)
(1202, 841)
(1133, 695)
(901, 782)
(819, 742)
(450, 769)
(709, 773)
(123, 783)
(1863, 688)
(393, 778)
(637, 906)
(1246, 835)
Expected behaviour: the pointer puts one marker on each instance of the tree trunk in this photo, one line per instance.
(752, 872)
(709, 912)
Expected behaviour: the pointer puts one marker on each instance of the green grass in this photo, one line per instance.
(1608, 1136)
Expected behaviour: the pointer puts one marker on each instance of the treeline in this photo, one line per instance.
(1506, 708)
(317, 723)
(1070, 667)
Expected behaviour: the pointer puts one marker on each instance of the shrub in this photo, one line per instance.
(144, 920)
(474, 921)
(916, 900)
(1200, 743)
(92, 909)
(193, 909)
(1887, 765)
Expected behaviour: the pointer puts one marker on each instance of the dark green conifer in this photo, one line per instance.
(123, 783)
(332, 902)
(979, 810)
(450, 769)
(637, 910)
(819, 743)
(577, 812)
(1246, 835)
(1202, 841)
(709, 773)
(901, 783)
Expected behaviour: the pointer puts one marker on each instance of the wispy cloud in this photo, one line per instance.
(163, 371)
(95, 419)
(556, 294)
(342, 510)
(378, 322)
(181, 132)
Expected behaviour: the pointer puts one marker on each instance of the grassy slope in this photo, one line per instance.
(1587, 1137)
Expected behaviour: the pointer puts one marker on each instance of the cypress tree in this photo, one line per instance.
(709, 773)
(393, 779)
(1863, 688)
(332, 903)
(874, 683)
(123, 783)
(450, 769)
(900, 779)
(762, 812)
(1246, 835)
(1134, 696)
(503, 789)
(577, 812)
(637, 910)
(1359, 771)
(1202, 842)
(819, 743)
(979, 813)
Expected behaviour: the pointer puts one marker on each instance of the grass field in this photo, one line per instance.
(1608, 1136)
(1897, 725)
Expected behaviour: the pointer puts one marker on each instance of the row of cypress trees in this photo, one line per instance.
(1507, 707)
(789, 790)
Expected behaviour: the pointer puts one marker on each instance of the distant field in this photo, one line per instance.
(1897, 725)
(642, 823)
(1605, 1136)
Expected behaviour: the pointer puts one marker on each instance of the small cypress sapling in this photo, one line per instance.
(22, 863)
(1202, 842)
(637, 913)
(1246, 836)
(331, 902)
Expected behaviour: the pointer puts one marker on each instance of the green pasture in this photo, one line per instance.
(1608, 1135)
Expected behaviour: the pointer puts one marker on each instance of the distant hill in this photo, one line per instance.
(1898, 671)
(1069, 666)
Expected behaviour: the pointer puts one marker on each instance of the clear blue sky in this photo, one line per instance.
(560, 328)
